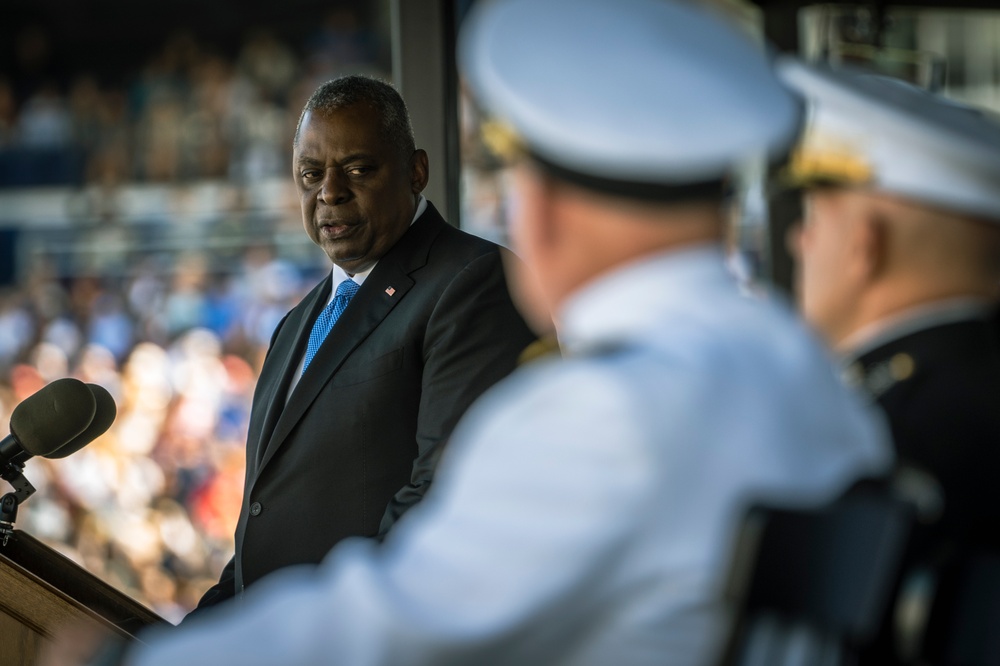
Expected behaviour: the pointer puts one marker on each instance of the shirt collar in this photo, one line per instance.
(911, 320)
(618, 304)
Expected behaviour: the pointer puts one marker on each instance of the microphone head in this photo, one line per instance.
(52, 416)
(104, 416)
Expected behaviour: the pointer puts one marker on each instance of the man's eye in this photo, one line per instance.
(311, 174)
(358, 170)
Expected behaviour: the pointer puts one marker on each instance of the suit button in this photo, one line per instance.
(255, 509)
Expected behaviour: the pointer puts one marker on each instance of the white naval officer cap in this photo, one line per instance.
(871, 130)
(641, 97)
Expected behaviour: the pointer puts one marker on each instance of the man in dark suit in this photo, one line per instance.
(899, 269)
(347, 444)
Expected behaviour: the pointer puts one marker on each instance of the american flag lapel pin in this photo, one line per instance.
(390, 291)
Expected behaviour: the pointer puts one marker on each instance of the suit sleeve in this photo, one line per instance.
(224, 590)
(474, 338)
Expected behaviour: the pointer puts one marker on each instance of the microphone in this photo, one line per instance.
(104, 416)
(50, 418)
(59, 419)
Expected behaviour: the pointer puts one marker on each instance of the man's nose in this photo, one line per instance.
(334, 190)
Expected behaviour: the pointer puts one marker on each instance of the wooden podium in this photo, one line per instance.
(42, 591)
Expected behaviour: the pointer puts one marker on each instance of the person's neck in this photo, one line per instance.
(892, 296)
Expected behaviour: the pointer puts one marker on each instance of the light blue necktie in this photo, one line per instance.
(328, 317)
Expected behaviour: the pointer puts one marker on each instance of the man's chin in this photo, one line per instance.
(350, 263)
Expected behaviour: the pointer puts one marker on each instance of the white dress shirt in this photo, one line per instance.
(584, 511)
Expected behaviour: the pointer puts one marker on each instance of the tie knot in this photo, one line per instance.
(347, 289)
(328, 317)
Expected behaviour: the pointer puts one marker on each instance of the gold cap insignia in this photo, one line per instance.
(502, 140)
(822, 159)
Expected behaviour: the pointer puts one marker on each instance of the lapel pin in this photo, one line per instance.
(390, 291)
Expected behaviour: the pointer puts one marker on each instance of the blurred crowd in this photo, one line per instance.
(191, 112)
(151, 505)
(171, 315)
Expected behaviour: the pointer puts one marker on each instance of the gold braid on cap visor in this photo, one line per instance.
(502, 140)
(823, 159)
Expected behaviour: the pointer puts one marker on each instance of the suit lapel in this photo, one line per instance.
(387, 285)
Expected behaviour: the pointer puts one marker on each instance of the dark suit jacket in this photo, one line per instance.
(940, 389)
(431, 328)
(944, 414)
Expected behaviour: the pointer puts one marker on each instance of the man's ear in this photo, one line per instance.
(419, 170)
(535, 204)
(550, 213)
(871, 246)
(793, 240)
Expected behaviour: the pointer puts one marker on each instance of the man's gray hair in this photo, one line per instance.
(386, 101)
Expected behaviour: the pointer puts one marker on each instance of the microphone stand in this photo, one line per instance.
(11, 473)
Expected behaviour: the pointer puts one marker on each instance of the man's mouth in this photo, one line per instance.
(333, 230)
